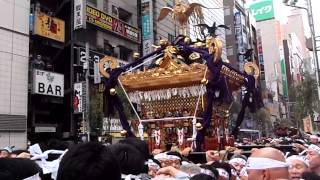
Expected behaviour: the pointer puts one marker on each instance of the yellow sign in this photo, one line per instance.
(307, 124)
(107, 22)
(49, 27)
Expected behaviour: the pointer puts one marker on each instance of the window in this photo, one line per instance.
(125, 53)
(94, 2)
(227, 12)
(105, 5)
(228, 31)
(115, 11)
(170, 37)
(124, 15)
(107, 48)
(229, 51)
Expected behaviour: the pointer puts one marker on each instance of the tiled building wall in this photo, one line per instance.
(14, 50)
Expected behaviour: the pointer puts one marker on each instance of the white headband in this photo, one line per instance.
(313, 147)
(130, 177)
(313, 137)
(264, 163)
(163, 156)
(238, 160)
(173, 157)
(243, 172)
(41, 159)
(223, 173)
(34, 177)
(153, 164)
(299, 158)
(160, 156)
(207, 172)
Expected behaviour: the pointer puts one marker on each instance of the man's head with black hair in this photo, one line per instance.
(176, 161)
(89, 161)
(140, 145)
(16, 168)
(239, 156)
(211, 168)
(222, 165)
(238, 162)
(131, 160)
(202, 177)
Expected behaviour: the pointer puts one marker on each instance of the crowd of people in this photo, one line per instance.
(130, 159)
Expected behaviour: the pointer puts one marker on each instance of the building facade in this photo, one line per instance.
(14, 52)
(76, 27)
(242, 34)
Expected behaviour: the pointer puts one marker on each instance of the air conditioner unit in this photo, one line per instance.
(115, 11)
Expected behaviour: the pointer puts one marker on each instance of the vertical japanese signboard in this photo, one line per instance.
(78, 97)
(283, 73)
(79, 14)
(147, 26)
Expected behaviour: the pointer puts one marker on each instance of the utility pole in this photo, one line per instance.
(314, 43)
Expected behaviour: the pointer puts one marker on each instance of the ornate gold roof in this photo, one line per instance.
(174, 75)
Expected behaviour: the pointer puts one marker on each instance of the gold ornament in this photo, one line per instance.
(214, 46)
(251, 68)
(136, 56)
(163, 42)
(112, 62)
(194, 56)
(123, 133)
(181, 13)
(199, 126)
(204, 81)
(187, 40)
(113, 91)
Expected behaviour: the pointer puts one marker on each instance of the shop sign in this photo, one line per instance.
(48, 83)
(262, 10)
(39, 129)
(110, 23)
(112, 125)
(49, 27)
(93, 57)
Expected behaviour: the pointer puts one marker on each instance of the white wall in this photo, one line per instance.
(271, 53)
(17, 139)
(14, 52)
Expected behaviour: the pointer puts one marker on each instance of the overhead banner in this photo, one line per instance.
(110, 23)
(49, 27)
(79, 20)
(147, 26)
(48, 83)
(262, 10)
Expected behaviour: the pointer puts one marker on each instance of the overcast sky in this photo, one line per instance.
(316, 16)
